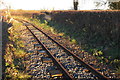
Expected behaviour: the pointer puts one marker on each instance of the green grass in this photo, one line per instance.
(99, 46)
(14, 56)
(106, 50)
(118, 70)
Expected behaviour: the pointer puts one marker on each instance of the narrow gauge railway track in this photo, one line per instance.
(69, 64)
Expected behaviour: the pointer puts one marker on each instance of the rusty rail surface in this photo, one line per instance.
(63, 70)
(89, 67)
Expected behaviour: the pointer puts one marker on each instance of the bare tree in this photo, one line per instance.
(100, 3)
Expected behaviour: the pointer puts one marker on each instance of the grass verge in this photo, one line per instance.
(14, 56)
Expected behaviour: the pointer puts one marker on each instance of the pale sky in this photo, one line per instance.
(50, 4)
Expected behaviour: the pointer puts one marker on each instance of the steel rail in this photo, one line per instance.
(89, 67)
(63, 70)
